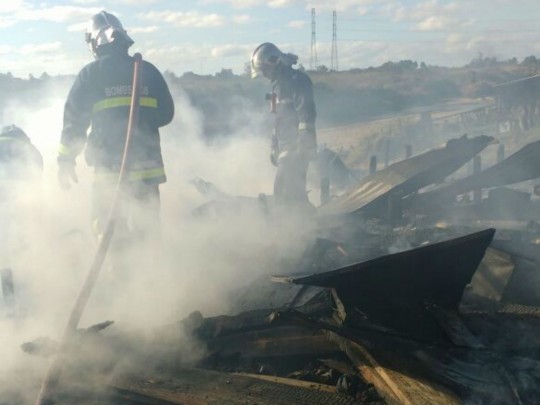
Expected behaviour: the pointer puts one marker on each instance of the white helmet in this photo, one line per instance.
(267, 58)
(104, 28)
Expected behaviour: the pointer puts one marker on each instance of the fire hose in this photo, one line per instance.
(53, 373)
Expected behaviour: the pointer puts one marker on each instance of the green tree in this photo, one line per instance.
(322, 69)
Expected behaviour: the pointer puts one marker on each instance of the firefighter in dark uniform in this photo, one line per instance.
(21, 167)
(294, 142)
(20, 160)
(96, 117)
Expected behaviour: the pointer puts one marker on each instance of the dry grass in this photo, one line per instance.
(357, 142)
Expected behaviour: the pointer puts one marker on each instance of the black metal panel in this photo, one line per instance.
(393, 290)
(372, 194)
(521, 166)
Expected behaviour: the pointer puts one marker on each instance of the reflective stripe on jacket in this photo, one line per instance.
(295, 106)
(97, 110)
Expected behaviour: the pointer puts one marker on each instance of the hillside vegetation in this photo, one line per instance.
(355, 95)
(227, 101)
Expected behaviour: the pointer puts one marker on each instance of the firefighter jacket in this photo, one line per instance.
(98, 104)
(19, 159)
(295, 112)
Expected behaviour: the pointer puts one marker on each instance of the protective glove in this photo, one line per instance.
(66, 174)
(274, 151)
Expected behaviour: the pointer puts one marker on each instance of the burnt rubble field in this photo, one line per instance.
(404, 294)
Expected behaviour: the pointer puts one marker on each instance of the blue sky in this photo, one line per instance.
(204, 36)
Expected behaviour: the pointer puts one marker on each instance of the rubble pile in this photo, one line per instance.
(399, 297)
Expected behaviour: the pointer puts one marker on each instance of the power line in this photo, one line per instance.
(313, 55)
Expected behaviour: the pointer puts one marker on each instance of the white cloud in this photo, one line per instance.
(454, 41)
(360, 6)
(32, 49)
(430, 8)
(53, 61)
(477, 42)
(186, 19)
(11, 6)
(234, 3)
(432, 23)
(8, 11)
(144, 30)
(175, 55)
(419, 11)
(79, 27)
(338, 5)
(280, 3)
(299, 24)
(6, 22)
(59, 14)
(196, 53)
(138, 2)
(5, 49)
(201, 59)
(194, 19)
(458, 43)
(226, 51)
(443, 33)
(241, 19)
(129, 2)
(84, 2)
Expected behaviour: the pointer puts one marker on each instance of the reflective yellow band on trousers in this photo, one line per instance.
(114, 102)
(64, 150)
(305, 125)
(131, 175)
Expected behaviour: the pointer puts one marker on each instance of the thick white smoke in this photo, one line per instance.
(204, 258)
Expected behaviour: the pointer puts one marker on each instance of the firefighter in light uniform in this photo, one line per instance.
(21, 167)
(294, 139)
(98, 105)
